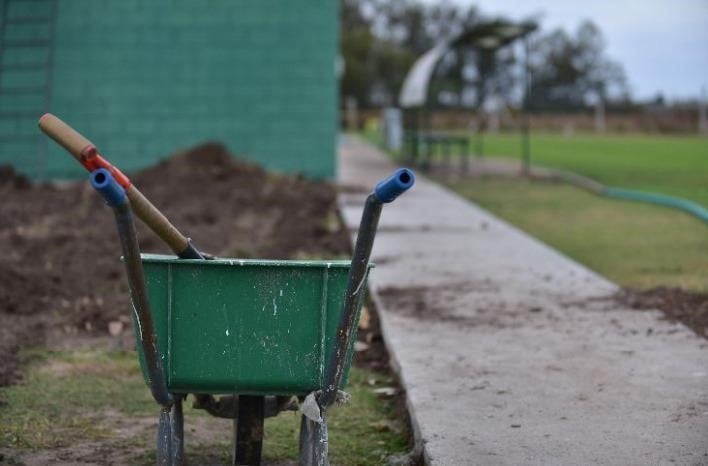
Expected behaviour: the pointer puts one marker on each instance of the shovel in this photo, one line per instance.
(87, 155)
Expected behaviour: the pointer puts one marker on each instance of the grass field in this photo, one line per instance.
(676, 165)
(633, 244)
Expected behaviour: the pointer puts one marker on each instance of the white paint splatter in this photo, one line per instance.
(137, 319)
(361, 283)
(275, 306)
(281, 292)
(227, 332)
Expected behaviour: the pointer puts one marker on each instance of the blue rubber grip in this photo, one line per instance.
(389, 189)
(103, 182)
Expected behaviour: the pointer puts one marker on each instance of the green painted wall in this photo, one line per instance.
(142, 79)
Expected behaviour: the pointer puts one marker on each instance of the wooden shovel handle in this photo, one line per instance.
(156, 220)
(67, 137)
(86, 154)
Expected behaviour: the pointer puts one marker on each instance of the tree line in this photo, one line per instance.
(381, 40)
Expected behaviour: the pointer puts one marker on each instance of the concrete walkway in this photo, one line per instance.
(512, 353)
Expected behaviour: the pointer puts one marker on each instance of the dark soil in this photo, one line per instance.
(689, 308)
(434, 304)
(60, 270)
(375, 356)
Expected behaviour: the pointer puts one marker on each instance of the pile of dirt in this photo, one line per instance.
(8, 176)
(60, 268)
(678, 305)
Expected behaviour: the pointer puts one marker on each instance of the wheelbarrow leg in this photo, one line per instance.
(170, 435)
(249, 430)
(314, 442)
(177, 429)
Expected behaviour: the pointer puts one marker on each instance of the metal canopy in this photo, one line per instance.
(414, 91)
(487, 36)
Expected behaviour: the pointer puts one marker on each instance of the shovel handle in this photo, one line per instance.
(159, 224)
(79, 147)
(67, 137)
(86, 154)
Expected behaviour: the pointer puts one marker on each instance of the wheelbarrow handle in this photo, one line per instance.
(87, 155)
(385, 191)
(103, 181)
(388, 189)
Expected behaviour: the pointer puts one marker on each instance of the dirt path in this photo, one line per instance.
(511, 353)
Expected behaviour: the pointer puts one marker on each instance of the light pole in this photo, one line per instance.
(702, 119)
(525, 117)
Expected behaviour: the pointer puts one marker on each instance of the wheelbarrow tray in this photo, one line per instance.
(259, 327)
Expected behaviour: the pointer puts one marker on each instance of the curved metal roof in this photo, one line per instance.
(414, 91)
(491, 36)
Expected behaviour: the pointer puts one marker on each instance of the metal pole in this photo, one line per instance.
(702, 118)
(249, 431)
(115, 197)
(385, 191)
(415, 135)
(479, 148)
(354, 293)
(525, 117)
(170, 426)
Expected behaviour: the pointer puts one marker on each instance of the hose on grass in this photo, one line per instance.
(664, 200)
(689, 207)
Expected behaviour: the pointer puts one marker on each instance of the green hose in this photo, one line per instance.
(685, 205)
(590, 185)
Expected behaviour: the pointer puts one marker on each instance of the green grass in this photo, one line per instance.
(70, 398)
(364, 432)
(632, 244)
(62, 395)
(675, 165)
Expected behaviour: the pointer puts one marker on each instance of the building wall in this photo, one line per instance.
(142, 79)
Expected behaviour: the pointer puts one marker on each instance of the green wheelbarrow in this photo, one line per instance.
(266, 336)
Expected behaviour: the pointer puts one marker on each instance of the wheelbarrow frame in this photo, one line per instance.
(313, 437)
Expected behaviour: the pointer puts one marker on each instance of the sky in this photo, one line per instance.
(662, 44)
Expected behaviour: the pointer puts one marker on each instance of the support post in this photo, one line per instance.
(525, 117)
(314, 441)
(248, 428)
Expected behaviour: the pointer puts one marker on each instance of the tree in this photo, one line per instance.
(569, 72)
(375, 63)
(381, 39)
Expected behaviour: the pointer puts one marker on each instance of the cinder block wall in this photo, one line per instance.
(142, 79)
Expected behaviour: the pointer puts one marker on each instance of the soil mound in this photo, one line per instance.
(678, 305)
(61, 267)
